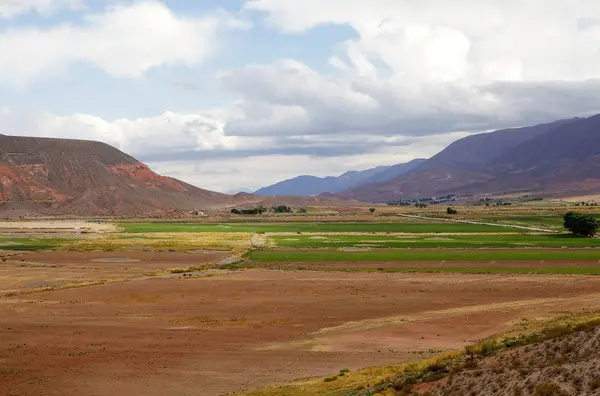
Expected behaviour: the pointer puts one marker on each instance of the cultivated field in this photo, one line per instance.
(232, 304)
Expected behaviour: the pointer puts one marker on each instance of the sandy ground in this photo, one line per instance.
(24, 272)
(212, 335)
(55, 226)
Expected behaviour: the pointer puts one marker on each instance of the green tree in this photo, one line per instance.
(581, 224)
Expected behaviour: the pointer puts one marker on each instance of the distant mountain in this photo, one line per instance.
(312, 185)
(558, 158)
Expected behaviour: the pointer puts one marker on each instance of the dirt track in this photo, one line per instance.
(208, 336)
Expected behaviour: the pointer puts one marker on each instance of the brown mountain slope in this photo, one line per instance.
(85, 177)
(559, 158)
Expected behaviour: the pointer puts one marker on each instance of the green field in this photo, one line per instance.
(314, 227)
(31, 243)
(425, 255)
(551, 221)
(457, 270)
(449, 241)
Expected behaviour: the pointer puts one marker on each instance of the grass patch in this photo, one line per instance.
(452, 270)
(165, 242)
(449, 241)
(308, 227)
(32, 244)
(425, 255)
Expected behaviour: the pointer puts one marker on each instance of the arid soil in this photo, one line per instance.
(26, 272)
(66, 227)
(217, 334)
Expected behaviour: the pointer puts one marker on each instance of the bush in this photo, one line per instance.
(281, 209)
(451, 211)
(581, 224)
(372, 210)
(254, 211)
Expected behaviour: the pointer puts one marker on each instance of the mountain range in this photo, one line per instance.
(312, 185)
(561, 158)
(555, 159)
(79, 177)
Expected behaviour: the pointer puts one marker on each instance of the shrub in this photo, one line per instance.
(253, 211)
(451, 211)
(581, 224)
(281, 209)
(372, 210)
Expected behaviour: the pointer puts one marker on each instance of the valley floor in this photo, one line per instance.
(218, 308)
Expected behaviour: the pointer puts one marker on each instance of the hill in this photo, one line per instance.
(554, 159)
(79, 177)
(311, 185)
(85, 177)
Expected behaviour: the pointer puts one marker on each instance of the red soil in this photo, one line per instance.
(207, 336)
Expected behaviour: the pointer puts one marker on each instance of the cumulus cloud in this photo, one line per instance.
(252, 172)
(13, 8)
(123, 41)
(194, 147)
(428, 66)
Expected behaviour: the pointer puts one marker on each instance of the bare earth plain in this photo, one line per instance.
(239, 330)
(31, 271)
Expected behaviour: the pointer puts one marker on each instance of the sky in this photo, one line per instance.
(234, 95)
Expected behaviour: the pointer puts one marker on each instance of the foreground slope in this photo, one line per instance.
(559, 158)
(86, 177)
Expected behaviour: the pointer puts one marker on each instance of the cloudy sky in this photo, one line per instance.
(233, 94)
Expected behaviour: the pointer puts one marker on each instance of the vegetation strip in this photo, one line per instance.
(450, 241)
(449, 270)
(310, 227)
(425, 255)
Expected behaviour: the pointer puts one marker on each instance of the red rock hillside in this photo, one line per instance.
(79, 177)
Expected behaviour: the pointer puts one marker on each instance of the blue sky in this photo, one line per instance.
(233, 95)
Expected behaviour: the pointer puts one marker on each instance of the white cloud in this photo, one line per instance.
(426, 66)
(233, 174)
(123, 41)
(195, 148)
(459, 40)
(13, 8)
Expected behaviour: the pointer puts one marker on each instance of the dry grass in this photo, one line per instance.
(165, 242)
